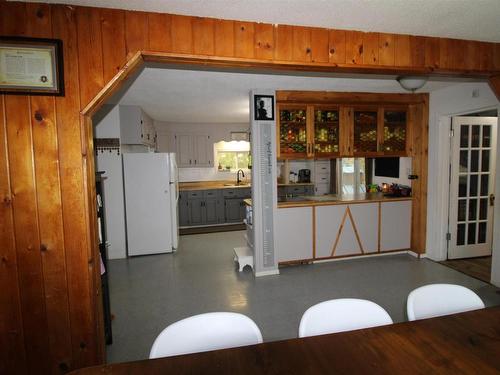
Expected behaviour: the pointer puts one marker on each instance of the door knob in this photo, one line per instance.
(492, 199)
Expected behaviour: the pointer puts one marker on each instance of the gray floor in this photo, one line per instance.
(150, 292)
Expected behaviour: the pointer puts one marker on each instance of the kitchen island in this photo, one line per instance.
(312, 228)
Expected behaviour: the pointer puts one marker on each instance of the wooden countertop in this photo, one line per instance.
(224, 184)
(331, 199)
(207, 185)
(466, 343)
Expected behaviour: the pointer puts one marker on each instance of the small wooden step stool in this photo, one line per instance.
(244, 256)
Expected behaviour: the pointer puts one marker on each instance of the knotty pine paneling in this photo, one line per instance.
(386, 49)
(160, 32)
(12, 355)
(264, 41)
(114, 51)
(244, 39)
(283, 35)
(90, 65)
(76, 232)
(224, 38)
(320, 45)
(49, 204)
(431, 58)
(203, 36)
(370, 49)
(337, 47)
(301, 47)
(50, 316)
(27, 239)
(50, 223)
(182, 34)
(402, 51)
(136, 32)
(354, 47)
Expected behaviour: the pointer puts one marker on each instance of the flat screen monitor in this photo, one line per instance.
(387, 167)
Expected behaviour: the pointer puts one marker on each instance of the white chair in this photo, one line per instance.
(441, 299)
(204, 332)
(339, 315)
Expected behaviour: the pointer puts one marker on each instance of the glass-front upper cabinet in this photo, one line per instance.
(395, 132)
(365, 132)
(326, 131)
(292, 132)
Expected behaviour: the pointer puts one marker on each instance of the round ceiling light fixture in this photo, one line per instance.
(412, 83)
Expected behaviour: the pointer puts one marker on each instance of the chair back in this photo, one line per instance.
(441, 299)
(204, 332)
(340, 315)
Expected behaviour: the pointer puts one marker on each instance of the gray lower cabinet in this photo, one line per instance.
(215, 206)
(183, 210)
(196, 211)
(233, 210)
(211, 211)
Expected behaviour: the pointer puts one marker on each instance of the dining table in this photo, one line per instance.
(463, 343)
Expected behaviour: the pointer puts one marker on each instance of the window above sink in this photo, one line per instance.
(231, 156)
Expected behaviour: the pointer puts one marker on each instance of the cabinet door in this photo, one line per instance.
(365, 132)
(394, 138)
(184, 150)
(232, 209)
(395, 225)
(130, 125)
(203, 150)
(211, 211)
(243, 210)
(326, 132)
(196, 212)
(295, 190)
(292, 132)
(309, 190)
(183, 211)
(294, 234)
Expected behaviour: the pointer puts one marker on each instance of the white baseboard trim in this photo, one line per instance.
(361, 256)
(417, 255)
(267, 273)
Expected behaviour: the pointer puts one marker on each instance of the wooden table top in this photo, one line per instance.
(466, 343)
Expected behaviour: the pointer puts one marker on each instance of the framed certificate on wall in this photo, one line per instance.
(31, 66)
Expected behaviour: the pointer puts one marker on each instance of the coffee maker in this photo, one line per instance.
(304, 175)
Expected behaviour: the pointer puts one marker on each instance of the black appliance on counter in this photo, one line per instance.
(304, 175)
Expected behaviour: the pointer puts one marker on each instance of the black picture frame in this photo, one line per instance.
(263, 106)
(55, 49)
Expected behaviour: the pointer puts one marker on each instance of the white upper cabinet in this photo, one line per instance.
(194, 150)
(136, 127)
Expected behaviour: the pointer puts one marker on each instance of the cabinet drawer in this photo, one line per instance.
(244, 193)
(212, 193)
(322, 189)
(324, 168)
(322, 179)
(195, 194)
(295, 190)
(230, 193)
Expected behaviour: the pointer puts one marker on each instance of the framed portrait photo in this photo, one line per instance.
(263, 107)
(31, 66)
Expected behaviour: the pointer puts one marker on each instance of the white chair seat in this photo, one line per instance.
(340, 315)
(204, 332)
(441, 299)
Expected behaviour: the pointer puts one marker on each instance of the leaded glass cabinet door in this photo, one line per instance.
(473, 153)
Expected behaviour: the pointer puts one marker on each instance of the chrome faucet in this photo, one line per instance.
(238, 181)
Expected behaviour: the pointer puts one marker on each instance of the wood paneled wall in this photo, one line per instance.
(49, 302)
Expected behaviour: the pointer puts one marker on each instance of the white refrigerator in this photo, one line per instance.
(151, 196)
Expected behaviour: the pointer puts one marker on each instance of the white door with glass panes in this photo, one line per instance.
(472, 168)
